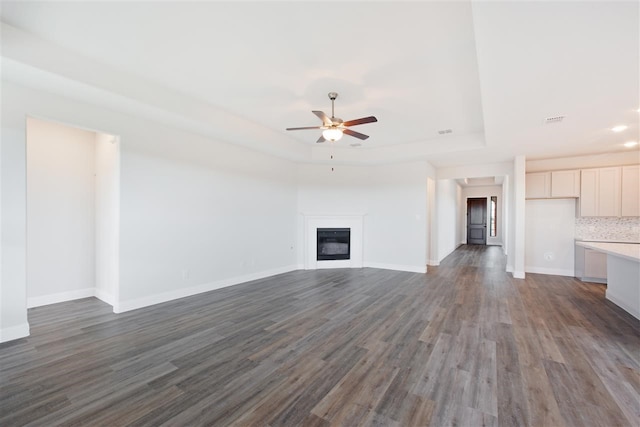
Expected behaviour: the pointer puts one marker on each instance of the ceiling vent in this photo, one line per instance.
(445, 131)
(554, 119)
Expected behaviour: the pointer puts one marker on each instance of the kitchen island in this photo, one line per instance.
(623, 273)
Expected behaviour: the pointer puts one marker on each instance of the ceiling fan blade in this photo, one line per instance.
(321, 139)
(325, 119)
(309, 127)
(361, 121)
(355, 134)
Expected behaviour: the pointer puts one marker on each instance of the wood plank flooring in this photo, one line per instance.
(464, 345)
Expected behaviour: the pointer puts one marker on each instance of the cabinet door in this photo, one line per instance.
(595, 264)
(589, 192)
(565, 183)
(630, 191)
(609, 192)
(538, 185)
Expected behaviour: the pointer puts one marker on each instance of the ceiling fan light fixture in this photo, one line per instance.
(332, 134)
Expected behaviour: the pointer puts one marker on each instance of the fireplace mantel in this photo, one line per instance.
(313, 221)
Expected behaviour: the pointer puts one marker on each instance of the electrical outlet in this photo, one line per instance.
(185, 274)
(548, 256)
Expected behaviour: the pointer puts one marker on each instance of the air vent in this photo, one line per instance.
(445, 131)
(356, 144)
(554, 119)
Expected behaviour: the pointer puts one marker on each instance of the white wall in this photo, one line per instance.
(517, 255)
(488, 192)
(13, 312)
(392, 197)
(107, 220)
(449, 212)
(432, 222)
(549, 237)
(60, 212)
(506, 226)
(195, 214)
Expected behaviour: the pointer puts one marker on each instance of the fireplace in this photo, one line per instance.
(333, 243)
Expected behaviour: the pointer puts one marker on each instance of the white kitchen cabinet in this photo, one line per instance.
(538, 185)
(590, 265)
(556, 184)
(609, 192)
(630, 191)
(565, 183)
(589, 192)
(595, 265)
(600, 192)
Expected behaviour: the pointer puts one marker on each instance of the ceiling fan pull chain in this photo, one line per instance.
(331, 154)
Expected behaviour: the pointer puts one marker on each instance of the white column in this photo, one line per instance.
(519, 167)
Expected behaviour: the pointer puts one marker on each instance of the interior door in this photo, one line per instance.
(477, 221)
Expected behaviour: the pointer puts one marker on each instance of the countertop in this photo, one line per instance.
(630, 251)
(607, 241)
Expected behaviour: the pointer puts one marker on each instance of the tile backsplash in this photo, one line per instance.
(616, 229)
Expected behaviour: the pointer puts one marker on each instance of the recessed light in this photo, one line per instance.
(618, 128)
(630, 144)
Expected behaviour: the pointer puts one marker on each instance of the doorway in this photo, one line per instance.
(72, 206)
(477, 221)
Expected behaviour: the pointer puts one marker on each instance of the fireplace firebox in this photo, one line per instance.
(334, 243)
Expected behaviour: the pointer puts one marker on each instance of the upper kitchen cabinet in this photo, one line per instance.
(565, 184)
(600, 192)
(630, 191)
(538, 185)
(556, 184)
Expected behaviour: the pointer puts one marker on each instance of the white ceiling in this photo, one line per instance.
(490, 71)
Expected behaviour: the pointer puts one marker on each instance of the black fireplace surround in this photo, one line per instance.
(334, 243)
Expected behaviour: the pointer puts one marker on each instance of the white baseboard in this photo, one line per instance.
(594, 280)
(620, 302)
(433, 262)
(14, 332)
(448, 253)
(198, 289)
(104, 296)
(509, 268)
(60, 297)
(518, 274)
(397, 267)
(550, 271)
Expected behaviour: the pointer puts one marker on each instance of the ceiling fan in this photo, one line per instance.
(334, 127)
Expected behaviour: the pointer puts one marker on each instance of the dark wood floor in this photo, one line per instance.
(463, 345)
